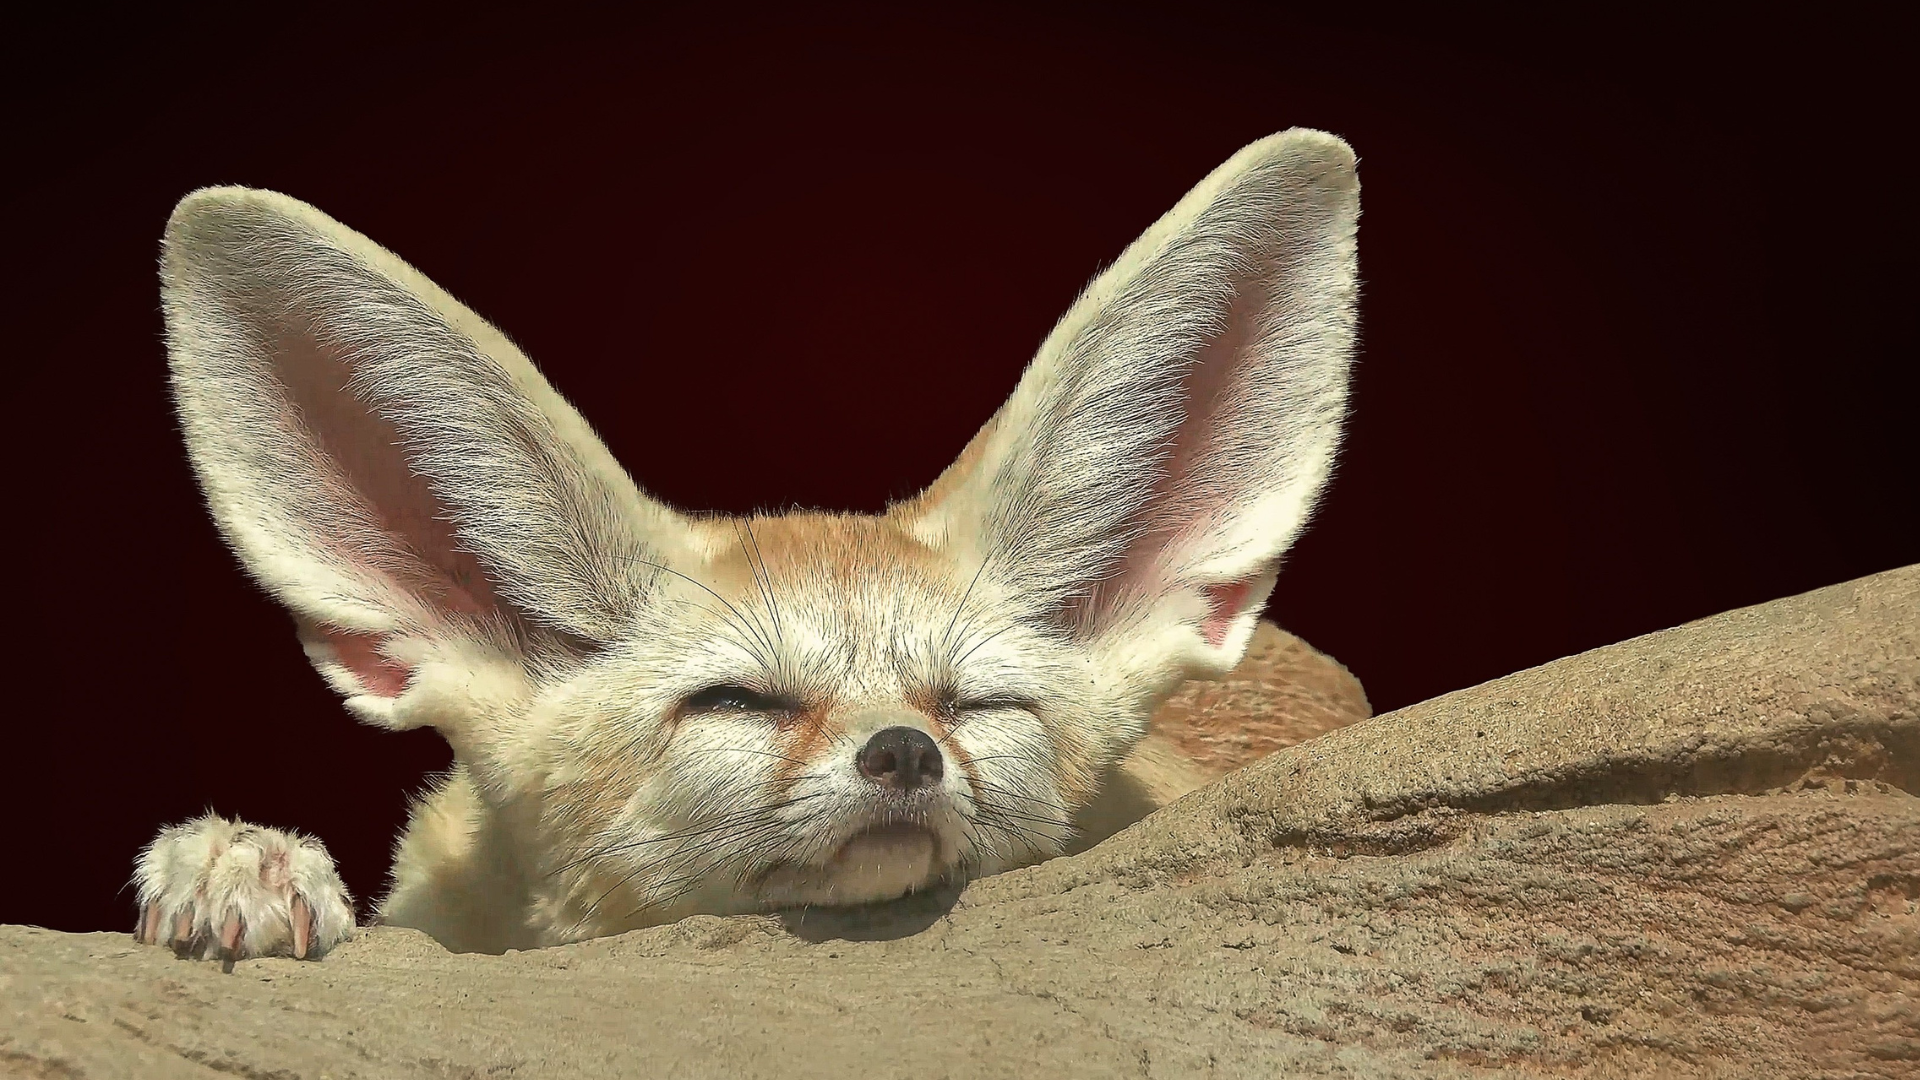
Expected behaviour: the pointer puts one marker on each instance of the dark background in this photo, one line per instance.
(1636, 312)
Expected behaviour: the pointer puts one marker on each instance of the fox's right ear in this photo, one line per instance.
(385, 463)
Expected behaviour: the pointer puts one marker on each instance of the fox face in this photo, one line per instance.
(657, 713)
(830, 713)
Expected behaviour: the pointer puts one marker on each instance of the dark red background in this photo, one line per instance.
(1636, 305)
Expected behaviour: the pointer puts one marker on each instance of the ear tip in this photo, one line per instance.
(211, 227)
(1321, 158)
(213, 207)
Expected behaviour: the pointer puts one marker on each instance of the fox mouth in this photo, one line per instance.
(878, 862)
(893, 842)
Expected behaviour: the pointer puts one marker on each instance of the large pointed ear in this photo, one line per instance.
(1171, 437)
(385, 463)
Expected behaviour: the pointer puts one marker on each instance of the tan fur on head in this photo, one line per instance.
(656, 714)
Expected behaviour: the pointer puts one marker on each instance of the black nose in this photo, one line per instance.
(901, 757)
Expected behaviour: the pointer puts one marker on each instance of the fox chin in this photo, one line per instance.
(655, 713)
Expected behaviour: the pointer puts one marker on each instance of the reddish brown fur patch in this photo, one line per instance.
(800, 743)
(964, 761)
(845, 546)
(939, 713)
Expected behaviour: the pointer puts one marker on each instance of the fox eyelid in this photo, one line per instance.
(729, 697)
(993, 703)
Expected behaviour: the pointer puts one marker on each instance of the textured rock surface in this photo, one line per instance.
(1696, 853)
(1285, 692)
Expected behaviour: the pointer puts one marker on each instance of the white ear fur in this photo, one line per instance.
(383, 461)
(1171, 436)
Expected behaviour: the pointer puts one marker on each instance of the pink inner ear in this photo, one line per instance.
(1205, 478)
(360, 654)
(1224, 601)
(366, 455)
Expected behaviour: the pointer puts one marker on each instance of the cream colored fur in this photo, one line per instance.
(459, 550)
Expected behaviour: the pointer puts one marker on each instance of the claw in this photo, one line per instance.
(302, 920)
(206, 885)
(229, 939)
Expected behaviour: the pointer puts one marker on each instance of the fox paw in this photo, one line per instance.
(214, 887)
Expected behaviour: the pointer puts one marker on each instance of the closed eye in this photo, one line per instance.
(994, 703)
(728, 698)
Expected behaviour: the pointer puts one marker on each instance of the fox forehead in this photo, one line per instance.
(847, 609)
(836, 554)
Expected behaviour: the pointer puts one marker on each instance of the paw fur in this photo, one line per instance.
(218, 887)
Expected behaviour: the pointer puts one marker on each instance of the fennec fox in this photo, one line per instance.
(655, 714)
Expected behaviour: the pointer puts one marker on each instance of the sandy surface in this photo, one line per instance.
(1696, 853)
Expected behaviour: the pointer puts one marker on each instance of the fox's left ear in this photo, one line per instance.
(1170, 439)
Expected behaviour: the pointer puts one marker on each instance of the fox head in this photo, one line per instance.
(688, 713)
